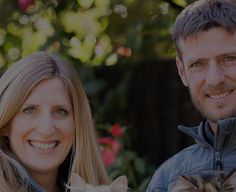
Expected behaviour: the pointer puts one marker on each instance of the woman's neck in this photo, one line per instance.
(47, 181)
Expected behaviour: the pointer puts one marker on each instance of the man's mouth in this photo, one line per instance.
(219, 95)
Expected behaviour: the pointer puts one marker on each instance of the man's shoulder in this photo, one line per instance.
(184, 160)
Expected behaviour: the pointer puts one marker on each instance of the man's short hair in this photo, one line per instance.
(203, 15)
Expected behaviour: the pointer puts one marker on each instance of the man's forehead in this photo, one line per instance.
(214, 42)
(194, 36)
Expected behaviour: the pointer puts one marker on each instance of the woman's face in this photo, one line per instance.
(42, 132)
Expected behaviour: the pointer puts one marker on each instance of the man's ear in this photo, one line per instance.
(180, 67)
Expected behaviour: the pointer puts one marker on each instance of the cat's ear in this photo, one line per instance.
(77, 184)
(228, 176)
(187, 180)
(120, 184)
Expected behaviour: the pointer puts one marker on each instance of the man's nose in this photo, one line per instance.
(215, 75)
(45, 125)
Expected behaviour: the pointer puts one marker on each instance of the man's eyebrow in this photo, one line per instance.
(194, 60)
(226, 54)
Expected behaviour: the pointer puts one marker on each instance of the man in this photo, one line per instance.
(205, 39)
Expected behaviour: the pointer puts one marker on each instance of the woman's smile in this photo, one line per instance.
(44, 146)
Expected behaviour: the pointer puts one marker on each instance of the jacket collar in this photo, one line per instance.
(226, 128)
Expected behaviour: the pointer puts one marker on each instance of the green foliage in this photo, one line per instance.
(120, 159)
(93, 34)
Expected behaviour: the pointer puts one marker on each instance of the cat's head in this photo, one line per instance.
(77, 184)
(210, 182)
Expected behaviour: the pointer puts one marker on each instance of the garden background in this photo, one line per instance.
(124, 54)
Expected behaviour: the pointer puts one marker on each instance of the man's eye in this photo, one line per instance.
(60, 113)
(195, 65)
(29, 110)
(230, 58)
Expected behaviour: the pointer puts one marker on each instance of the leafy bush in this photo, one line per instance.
(92, 34)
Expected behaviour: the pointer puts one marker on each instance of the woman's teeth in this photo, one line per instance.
(43, 146)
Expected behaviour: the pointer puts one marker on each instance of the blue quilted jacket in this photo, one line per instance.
(198, 157)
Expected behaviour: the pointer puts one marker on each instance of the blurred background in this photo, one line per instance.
(125, 57)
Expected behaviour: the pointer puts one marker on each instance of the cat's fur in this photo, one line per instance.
(77, 184)
(209, 182)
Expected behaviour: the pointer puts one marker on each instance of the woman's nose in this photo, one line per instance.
(45, 125)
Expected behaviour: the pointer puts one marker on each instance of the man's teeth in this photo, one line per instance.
(219, 96)
(43, 146)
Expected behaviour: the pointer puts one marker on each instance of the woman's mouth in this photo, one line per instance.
(43, 146)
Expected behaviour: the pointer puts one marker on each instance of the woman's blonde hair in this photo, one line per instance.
(16, 84)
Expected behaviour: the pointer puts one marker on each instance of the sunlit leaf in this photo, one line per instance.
(90, 41)
(75, 42)
(2, 61)
(85, 3)
(2, 36)
(105, 42)
(111, 60)
(81, 23)
(14, 30)
(81, 50)
(104, 23)
(31, 41)
(44, 26)
(97, 60)
(14, 53)
(182, 3)
(129, 1)
(102, 3)
(70, 21)
(121, 10)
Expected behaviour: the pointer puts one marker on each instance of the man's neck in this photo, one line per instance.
(213, 125)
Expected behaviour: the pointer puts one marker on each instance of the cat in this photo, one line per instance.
(77, 184)
(208, 182)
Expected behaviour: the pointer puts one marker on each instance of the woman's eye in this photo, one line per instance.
(29, 110)
(60, 112)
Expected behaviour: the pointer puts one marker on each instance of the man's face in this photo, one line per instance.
(208, 69)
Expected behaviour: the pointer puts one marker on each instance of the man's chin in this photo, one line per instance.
(215, 119)
(215, 113)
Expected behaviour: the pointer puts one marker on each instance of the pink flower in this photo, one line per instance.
(110, 149)
(24, 4)
(108, 142)
(105, 140)
(115, 145)
(124, 51)
(116, 130)
(108, 156)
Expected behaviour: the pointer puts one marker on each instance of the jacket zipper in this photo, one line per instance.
(218, 163)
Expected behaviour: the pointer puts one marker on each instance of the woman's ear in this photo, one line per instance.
(180, 67)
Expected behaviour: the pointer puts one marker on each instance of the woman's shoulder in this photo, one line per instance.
(9, 179)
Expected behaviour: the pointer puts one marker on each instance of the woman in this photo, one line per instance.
(46, 127)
